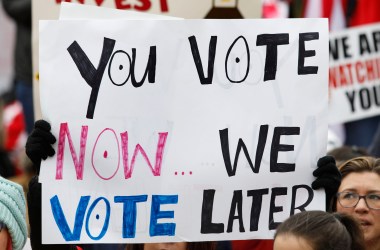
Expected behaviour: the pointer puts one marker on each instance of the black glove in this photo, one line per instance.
(38, 146)
(328, 177)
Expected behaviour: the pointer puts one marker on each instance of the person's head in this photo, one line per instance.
(12, 215)
(345, 153)
(318, 230)
(359, 196)
(174, 246)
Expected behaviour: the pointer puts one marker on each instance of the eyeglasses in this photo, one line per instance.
(349, 199)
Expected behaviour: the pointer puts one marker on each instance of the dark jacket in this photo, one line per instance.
(21, 12)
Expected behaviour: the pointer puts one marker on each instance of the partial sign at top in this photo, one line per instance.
(354, 74)
(232, 9)
(181, 130)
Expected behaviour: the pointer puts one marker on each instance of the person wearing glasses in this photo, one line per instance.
(359, 196)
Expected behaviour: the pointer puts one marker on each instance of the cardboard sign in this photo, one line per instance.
(49, 10)
(181, 130)
(354, 74)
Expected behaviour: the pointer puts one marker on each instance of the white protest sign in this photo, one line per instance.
(354, 74)
(181, 130)
(49, 10)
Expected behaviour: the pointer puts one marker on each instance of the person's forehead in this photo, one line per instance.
(368, 181)
(291, 242)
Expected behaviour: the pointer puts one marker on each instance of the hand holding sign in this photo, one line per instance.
(38, 146)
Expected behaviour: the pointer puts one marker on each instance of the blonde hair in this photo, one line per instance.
(360, 165)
